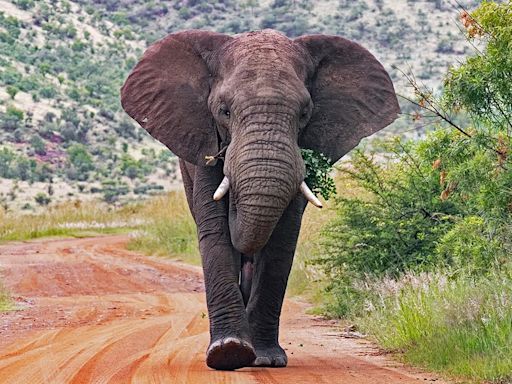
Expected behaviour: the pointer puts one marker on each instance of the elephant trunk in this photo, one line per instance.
(265, 169)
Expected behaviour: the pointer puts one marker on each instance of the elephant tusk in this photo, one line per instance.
(310, 195)
(222, 189)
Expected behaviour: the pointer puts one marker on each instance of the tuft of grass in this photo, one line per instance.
(71, 219)
(169, 229)
(461, 326)
(5, 300)
(304, 279)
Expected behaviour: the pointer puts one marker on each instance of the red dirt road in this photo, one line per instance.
(96, 313)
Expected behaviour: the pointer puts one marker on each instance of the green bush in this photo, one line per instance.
(442, 202)
(47, 92)
(80, 161)
(470, 246)
(12, 91)
(38, 145)
(24, 4)
(11, 119)
(42, 199)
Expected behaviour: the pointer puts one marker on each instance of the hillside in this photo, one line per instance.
(62, 132)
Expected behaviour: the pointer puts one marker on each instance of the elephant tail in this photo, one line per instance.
(246, 274)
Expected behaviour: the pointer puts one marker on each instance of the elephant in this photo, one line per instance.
(237, 110)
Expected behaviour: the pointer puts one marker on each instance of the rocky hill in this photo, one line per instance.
(63, 134)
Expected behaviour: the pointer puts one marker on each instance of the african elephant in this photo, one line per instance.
(254, 100)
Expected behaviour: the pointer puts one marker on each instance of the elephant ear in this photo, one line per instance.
(167, 93)
(352, 94)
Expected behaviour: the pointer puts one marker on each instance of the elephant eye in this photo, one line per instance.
(305, 112)
(224, 111)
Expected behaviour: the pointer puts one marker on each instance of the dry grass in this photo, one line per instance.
(169, 229)
(5, 300)
(70, 219)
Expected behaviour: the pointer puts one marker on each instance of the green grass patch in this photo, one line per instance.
(460, 325)
(72, 219)
(6, 303)
(305, 279)
(169, 230)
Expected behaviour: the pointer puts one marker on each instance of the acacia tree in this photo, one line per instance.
(444, 201)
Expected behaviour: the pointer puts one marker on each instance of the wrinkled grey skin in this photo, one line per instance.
(263, 96)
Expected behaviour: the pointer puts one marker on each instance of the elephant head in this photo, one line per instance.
(263, 96)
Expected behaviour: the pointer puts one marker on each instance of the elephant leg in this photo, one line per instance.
(246, 277)
(271, 270)
(230, 343)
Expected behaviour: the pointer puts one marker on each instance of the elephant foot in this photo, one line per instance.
(230, 353)
(270, 357)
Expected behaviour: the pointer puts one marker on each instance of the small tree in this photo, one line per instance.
(42, 199)
(12, 91)
(38, 145)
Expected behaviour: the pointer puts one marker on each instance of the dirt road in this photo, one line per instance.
(96, 313)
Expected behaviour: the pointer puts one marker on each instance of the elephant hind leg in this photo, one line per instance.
(246, 275)
(230, 353)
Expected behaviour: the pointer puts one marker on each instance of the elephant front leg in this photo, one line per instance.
(230, 343)
(271, 270)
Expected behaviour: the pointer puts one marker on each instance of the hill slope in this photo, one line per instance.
(62, 132)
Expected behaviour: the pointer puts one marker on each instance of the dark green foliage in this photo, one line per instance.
(42, 199)
(11, 119)
(12, 26)
(38, 145)
(80, 161)
(12, 91)
(10, 76)
(125, 128)
(317, 173)
(134, 168)
(406, 209)
(15, 166)
(24, 4)
(443, 202)
(112, 190)
(482, 85)
(47, 92)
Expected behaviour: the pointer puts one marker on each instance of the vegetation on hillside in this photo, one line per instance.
(421, 257)
(62, 131)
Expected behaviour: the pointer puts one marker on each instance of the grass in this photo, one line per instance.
(461, 326)
(169, 229)
(305, 280)
(5, 300)
(72, 219)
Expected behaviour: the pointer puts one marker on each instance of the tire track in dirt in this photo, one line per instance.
(96, 313)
